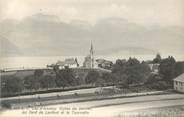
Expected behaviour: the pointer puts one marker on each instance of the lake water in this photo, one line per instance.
(41, 62)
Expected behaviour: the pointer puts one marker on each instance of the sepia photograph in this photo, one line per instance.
(91, 58)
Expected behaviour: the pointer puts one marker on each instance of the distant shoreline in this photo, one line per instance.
(43, 61)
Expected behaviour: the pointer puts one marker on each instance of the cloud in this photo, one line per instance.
(15, 9)
(147, 12)
(43, 34)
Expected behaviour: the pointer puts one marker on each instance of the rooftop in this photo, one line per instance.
(69, 61)
(180, 78)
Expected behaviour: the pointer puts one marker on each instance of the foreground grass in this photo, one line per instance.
(174, 111)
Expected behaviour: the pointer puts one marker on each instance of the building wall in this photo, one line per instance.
(72, 66)
(87, 63)
(68, 65)
(154, 67)
(179, 86)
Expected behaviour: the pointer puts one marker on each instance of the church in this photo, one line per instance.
(89, 61)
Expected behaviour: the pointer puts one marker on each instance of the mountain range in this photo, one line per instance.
(47, 35)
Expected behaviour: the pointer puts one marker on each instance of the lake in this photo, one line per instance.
(42, 61)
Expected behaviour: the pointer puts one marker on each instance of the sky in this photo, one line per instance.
(147, 12)
(116, 27)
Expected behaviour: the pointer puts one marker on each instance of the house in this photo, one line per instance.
(104, 63)
(179, 83)
(70, 62)
(154, 67)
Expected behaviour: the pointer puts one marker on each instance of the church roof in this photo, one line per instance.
(69, 61)
(100, 61)
(61, 63)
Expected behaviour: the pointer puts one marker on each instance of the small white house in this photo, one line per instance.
(70, 62)
(154, 67)
(179, 83)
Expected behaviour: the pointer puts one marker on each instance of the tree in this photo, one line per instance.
(153, 78)
(99, 82)
(30, 82)
(108, 77)
(65, 77)
(47, 81)
(159, 85)
(121, 79)
(92, 77)
(137, 72)
(13, 85)
(38, 73)
(60, 80)
(167, 68)
(156, 81)
(132, 62)
(179, 68)
(34, 81)
(157, 59)
(119, 66)
(130, 71)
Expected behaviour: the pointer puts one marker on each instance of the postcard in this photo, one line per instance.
(92, 58)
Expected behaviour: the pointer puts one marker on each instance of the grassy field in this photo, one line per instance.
(174, 111)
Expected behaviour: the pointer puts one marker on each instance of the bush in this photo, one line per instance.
(160, 85)
(6, 105)
(153, 78)
(92, 77)
(12, 85)
(156, 81)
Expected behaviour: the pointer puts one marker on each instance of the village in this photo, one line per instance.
(67, 81)
(91, 58)
(89, 62)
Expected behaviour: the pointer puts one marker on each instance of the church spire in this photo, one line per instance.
(91, 49)
(92, 55)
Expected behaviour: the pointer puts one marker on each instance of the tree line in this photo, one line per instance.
(125, 73)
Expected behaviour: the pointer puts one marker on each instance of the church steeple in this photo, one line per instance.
(92, 55)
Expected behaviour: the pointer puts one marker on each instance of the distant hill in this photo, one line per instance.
(47, 35)
(7, 48)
